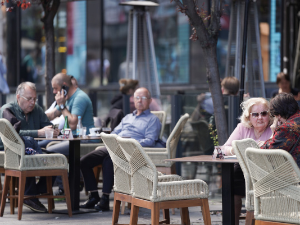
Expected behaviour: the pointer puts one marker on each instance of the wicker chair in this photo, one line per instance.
(2, 170)
(122, 179)
(158, 155)
(240, 150)
(275, 177)
(151, 192)
(17, 164)
(162, 118)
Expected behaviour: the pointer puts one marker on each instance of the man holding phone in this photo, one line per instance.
(71, 102)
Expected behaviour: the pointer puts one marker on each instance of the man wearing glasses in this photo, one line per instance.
(34, 123)
(141, 125)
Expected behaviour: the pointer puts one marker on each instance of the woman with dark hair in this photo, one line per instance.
(285, 109)
(284, 85)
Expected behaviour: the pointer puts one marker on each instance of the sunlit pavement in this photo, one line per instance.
(196, 218)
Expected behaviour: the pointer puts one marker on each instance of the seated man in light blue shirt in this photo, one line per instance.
(141, 125)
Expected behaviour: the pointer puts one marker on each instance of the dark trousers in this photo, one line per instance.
(97, 157)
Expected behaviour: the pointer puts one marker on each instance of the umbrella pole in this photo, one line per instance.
(242, 81)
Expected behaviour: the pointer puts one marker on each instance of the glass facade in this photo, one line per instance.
(180, 61)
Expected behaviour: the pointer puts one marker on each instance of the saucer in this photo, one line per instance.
(94, 135)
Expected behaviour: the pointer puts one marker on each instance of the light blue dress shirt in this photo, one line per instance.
(144, 128)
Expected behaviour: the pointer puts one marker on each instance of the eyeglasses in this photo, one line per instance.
(30, 99)
(144, 98)
(263, 113)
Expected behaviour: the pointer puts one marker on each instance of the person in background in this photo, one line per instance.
(127, 87)
(204, 108)
(4, 89)
(34, 123)
(141, 125)
(255, 123)
(284, 84)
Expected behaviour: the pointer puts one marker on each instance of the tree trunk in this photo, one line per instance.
(50, 10)
(213, 79)
(50, 61)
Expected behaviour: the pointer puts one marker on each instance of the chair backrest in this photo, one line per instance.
(144, 176)
(240, 147)
(275, 177)
(122, 171)
(13, 146)
(162, 118)
(175, 135)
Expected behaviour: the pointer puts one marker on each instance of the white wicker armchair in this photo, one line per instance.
(162, 118)
(275, 177)
(146, 184)
(240, 147)
(16, 163)
(158, 155)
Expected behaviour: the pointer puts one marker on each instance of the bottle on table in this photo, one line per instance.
(66, 126)
(79, 127)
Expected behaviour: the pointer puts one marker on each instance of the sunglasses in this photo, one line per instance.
(263, 113)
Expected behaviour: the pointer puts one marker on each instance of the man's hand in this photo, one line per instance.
(60, 98)
(41, 132)
(56, 132)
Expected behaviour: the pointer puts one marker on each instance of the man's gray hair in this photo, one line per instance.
(21, 87)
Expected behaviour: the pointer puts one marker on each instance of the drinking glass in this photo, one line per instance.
(106, 130)
(49, 133)
(83, 132)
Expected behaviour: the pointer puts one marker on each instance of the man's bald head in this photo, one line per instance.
(62, 78)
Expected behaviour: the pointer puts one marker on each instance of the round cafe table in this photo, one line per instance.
(74, 168)
(227, 182)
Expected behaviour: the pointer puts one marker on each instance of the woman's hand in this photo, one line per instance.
(260, 143)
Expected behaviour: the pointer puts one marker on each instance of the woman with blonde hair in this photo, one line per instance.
(255, 123)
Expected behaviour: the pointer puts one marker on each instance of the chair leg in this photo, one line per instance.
(185, 217)
(49, 191)
(250, 218)
(67, 191)
(12, 191)
(22, 181)
(205, 211)
(166, 214)
(116, 211)
(4, 193)
(134, 214)
(123, 205)
(155, 213)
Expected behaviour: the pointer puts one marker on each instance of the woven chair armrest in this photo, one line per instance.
(52, 143)
(168, 178)
(2, 158)
(83, 145)
(182, 189)
(155, 150)
(44, 162)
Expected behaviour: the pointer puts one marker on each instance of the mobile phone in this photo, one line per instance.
(55, 126)
(65, 89)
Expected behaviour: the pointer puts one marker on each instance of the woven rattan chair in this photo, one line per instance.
(17, 164)
(275, 177)
(162, 118)
(148, 191)
(2, 170)
(122, 178)
(159, 155)
(240, 151)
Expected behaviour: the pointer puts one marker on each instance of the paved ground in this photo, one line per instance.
(104, 218)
